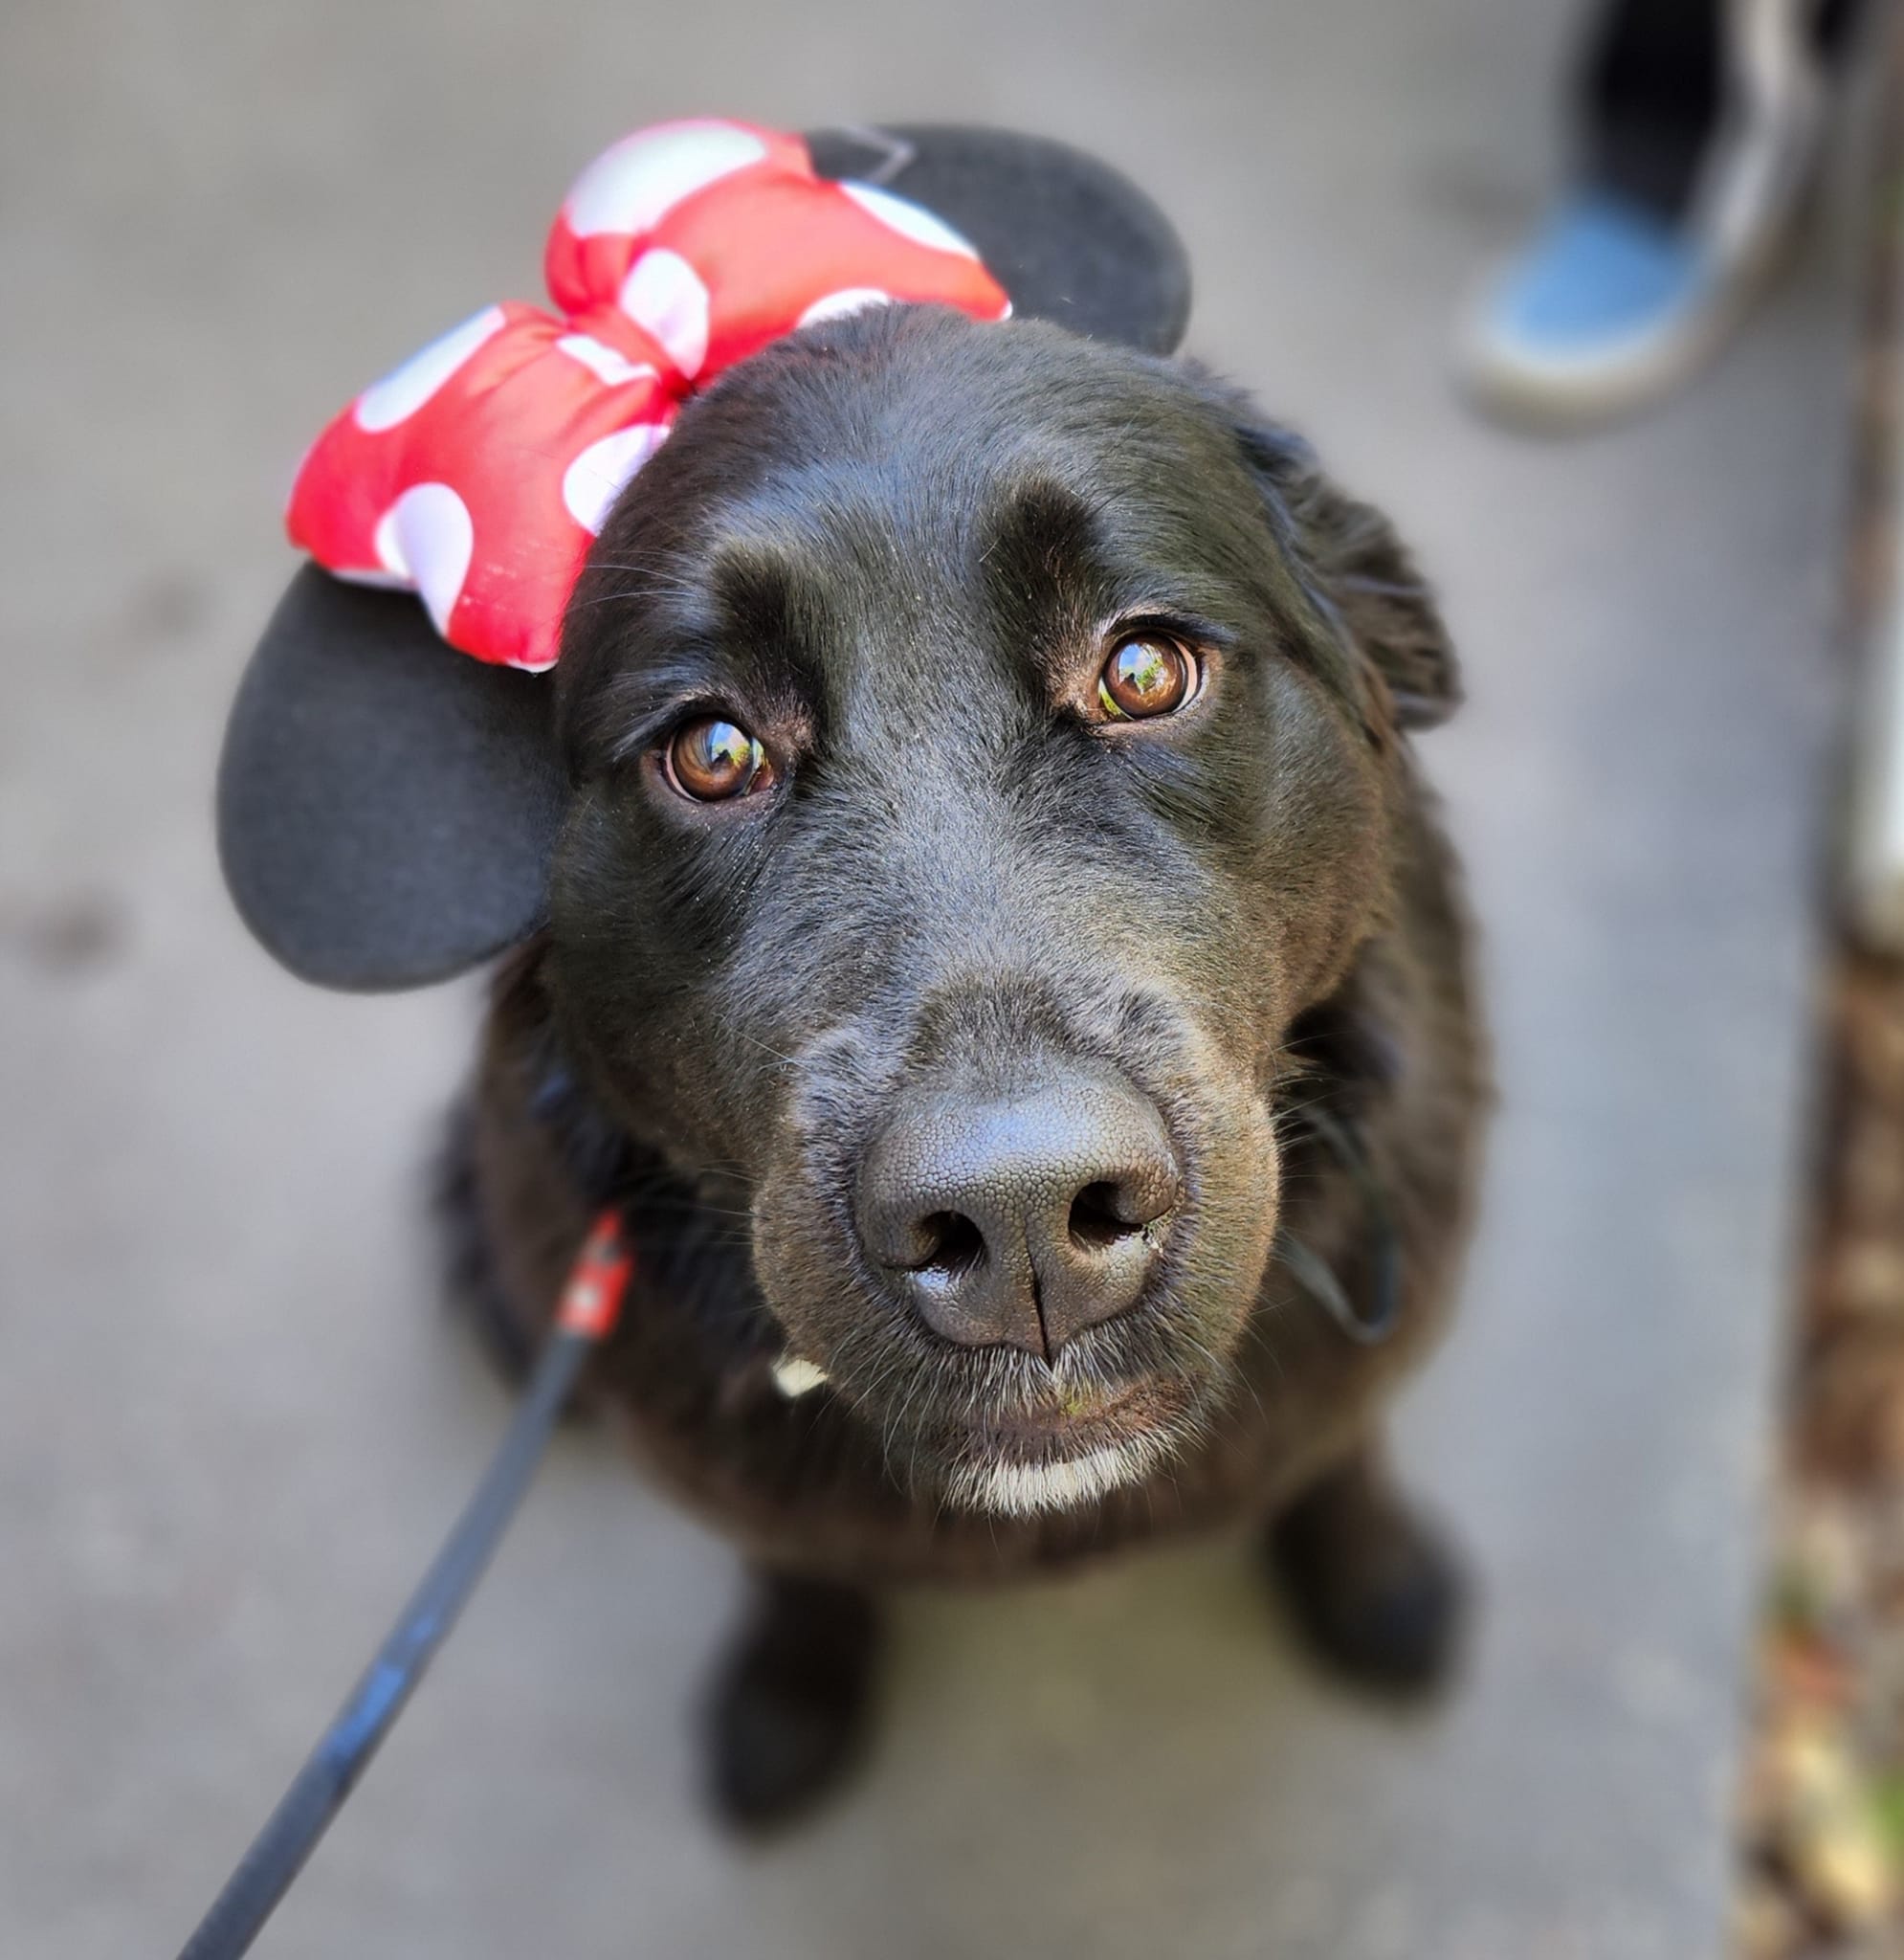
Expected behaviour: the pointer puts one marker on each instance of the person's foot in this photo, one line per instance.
(1612, 304)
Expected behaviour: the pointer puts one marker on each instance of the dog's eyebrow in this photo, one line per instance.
(1039, 557)
(1057, 567)
(739, 615)
(752, 591)
(742, 626)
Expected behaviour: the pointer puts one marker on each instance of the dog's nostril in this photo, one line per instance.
(1097, 1219)
(1020, 1222)
(953, 1244)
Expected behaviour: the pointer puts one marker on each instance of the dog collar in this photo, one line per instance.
(1369, 1326)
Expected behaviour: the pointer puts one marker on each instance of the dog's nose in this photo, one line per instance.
(1021, 1222)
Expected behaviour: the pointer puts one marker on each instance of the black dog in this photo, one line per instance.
(1002, 961)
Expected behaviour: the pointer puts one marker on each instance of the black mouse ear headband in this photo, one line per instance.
(387, 803)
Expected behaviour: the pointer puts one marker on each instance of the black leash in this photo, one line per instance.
(590, 1305)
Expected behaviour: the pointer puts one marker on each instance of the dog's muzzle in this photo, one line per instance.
(1020, 1221)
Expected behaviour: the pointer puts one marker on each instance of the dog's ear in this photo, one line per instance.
(1361, 574)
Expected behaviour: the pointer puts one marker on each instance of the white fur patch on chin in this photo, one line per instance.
(1018, 1491)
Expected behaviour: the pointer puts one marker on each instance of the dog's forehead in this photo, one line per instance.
(903, 489)
(932, 415)
(933, 450)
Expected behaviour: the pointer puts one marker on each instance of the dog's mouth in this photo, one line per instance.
(1072, 1446)
(1081, 1418)
(1111, 1203)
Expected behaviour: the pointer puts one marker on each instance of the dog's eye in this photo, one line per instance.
(1145, 677)
(712, 760)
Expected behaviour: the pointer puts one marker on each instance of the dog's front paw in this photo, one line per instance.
(789, 1714)
(1374, 1591)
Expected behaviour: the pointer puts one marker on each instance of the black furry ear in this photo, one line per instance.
(1364, 577)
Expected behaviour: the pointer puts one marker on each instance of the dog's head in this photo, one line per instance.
(984, 747)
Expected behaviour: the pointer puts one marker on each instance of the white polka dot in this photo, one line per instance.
(401, 393)
(636, 182)
(664, 294)
(426, 538)
(602, 361)
(596, 477)
(850, 300)
(910, 220)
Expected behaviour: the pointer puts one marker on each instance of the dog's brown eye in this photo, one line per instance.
(712, 759)
(1145, 676)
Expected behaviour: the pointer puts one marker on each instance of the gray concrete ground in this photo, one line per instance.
(231, 1426)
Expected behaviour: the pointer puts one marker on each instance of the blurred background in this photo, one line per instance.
(233, 1422)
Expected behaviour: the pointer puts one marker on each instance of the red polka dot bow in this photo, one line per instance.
(477, 473)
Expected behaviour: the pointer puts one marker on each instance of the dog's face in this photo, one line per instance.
(983, 750)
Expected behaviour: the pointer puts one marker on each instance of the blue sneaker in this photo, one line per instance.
(1611, 304)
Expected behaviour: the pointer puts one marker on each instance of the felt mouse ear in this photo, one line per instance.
(387, 807)
(1069, 238)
